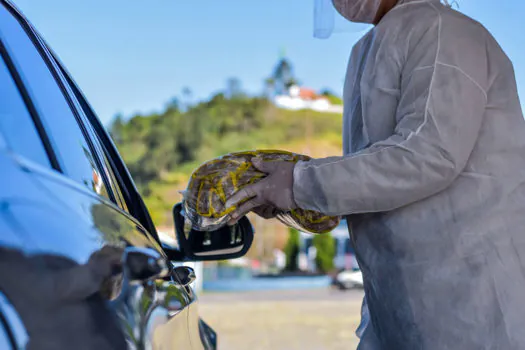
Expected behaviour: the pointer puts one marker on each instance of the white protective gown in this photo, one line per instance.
(432, 181)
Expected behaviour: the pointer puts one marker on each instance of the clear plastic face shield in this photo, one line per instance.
(358, 13)
(328, 21)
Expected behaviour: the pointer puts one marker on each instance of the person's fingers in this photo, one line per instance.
(243, 209)
(265, 167)
(233, 222)
(262, 211)
(265, 211)
(241, 195)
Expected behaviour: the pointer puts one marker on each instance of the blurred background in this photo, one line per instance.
(180, 82)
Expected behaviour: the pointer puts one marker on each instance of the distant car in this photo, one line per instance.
(65, 194)
(348, 279)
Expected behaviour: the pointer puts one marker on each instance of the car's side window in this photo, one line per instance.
(73, 152)
(115, 186)
(12, 323)
(5, 342)
(111, 179)
(105, 164)
(16, 124)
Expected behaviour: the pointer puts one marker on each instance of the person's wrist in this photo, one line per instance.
(292, 198)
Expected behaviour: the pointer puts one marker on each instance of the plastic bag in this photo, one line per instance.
(218, 179)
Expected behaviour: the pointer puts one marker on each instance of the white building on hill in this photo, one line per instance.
(303, 98)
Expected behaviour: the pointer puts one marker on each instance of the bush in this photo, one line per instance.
(325, 246)
(292, 250)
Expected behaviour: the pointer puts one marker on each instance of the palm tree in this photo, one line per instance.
(282, 75)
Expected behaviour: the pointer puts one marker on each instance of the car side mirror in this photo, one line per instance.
(141, 264)
(228, 242)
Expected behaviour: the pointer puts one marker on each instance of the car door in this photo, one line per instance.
(61, 203)
(132, 203)
(201, 336)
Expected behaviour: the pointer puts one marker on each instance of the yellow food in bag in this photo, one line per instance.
(218, 179)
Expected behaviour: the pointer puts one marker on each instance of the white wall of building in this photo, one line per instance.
(296, 103)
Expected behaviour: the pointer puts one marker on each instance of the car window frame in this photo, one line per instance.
(12, 324)
(29, 104)
(100, 153)
(6, 330)
(52, 67)
(137, 208)
(45, 157)
(89, 135)
(133, 200)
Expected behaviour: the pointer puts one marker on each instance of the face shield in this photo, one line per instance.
(328, 21)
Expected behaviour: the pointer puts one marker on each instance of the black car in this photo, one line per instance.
(66, 200)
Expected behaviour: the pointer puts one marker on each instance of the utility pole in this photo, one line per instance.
(308, 132)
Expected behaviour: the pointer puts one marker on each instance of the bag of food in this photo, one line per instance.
(218, 179)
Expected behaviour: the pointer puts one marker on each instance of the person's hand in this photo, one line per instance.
(275, 190)
(265, 211)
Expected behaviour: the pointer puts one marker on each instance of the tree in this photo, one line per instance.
(325, 246)
(173, 105)
(283, 73)
(233, 88)
(292, 250)
(282, 78)
(117, 127)
(333, 98)
(269, 87)
(187, 96)
(291, 82)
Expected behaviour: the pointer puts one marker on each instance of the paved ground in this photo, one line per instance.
(284, 320)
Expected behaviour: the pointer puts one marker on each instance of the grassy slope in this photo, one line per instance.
(306, 132)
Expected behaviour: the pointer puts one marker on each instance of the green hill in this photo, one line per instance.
(162, 150)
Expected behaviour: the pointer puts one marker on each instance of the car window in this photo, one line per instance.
(115, 186)
(111, 178)
(124, 187)
(60, 123)
(16, 124)
(111, 172)
(102, 154)
(13, 323)
(5, 342)
(112, 181)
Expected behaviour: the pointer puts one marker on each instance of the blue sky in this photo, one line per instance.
(132, 56)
